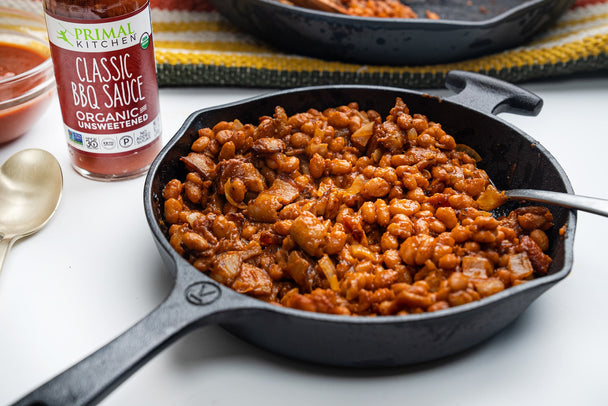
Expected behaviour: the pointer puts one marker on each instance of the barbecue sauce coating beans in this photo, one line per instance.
(342, 212)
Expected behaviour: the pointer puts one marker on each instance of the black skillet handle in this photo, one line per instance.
(93, 378)
(491, 95)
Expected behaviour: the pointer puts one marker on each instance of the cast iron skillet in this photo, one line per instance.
(513, 160)
(462, 32)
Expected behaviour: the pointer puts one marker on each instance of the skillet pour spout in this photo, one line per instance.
(512, 158)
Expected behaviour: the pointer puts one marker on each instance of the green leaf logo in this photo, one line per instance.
(63, 36)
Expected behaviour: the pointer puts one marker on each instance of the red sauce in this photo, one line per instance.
(14, 60)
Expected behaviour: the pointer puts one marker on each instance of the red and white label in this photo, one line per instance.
(106, 81)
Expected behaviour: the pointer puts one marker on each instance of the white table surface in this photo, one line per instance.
(94, 271)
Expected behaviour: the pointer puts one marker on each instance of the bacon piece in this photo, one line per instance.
(245, 171)
(268, 146)
(540, 261)
(253, 280)
(201, 164)
(226, 267)
(265, 207)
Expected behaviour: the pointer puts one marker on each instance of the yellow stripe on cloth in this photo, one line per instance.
(220, 47)
(170, 26)
(581, 27)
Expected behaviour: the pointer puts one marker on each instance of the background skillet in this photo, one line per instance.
(463, 31)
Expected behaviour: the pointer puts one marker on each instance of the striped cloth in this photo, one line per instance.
(196, 46)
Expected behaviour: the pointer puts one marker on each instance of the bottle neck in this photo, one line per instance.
(92, 9)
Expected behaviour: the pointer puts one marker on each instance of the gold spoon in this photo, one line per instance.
(30, 189)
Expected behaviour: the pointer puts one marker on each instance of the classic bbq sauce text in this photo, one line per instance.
(107, 94)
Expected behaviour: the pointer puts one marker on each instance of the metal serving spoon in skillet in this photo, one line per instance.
(588, 204)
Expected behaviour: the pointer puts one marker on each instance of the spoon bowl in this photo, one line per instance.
(31, 182)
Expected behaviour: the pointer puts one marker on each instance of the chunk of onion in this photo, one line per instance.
(329, 270)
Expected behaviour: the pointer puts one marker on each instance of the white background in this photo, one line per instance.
(94, 271)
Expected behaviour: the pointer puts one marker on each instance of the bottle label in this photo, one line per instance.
(106, 81)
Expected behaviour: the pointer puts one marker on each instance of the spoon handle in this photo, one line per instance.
(5, 246)
(589, 204)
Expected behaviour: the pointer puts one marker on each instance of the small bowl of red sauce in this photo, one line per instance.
(27, 82)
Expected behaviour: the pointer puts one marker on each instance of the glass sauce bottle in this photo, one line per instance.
(105, 71)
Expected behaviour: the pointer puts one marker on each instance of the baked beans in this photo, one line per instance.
(341, 211)
(376, 8)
